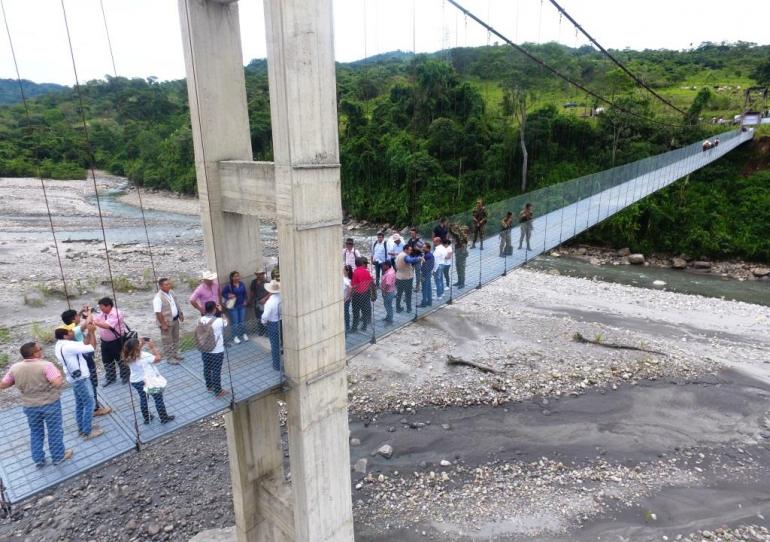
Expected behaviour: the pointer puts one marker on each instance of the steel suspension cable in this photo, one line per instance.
(206, 182)
(91, 166)
(138, 190)
(37, 154)
(557, 73)
(609, 55)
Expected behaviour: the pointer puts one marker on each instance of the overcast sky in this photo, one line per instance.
(146, 38)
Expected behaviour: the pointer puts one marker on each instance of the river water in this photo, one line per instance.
(162, 225)
(685, 282)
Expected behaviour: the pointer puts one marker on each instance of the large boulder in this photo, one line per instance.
(760, 272)
(624, 252)
(701, 264)
(679, 263)
(636, 259)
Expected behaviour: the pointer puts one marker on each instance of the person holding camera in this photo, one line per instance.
(144, 376)
(82, 325)
(70, 354)
(111, 326)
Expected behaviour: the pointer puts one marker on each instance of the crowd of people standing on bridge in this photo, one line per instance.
(133, 358)
(395, 268)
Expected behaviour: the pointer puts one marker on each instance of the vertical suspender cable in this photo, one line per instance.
(138, 190)
(91, 167)
(37, 154)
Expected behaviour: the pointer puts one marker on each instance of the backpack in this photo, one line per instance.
(205, 338)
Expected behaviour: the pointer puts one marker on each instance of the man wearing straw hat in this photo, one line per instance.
(271, 319)
(207, 290)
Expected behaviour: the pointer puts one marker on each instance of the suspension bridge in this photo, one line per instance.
(300, 190)
(563, 211)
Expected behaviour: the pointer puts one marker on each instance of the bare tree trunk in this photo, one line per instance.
(615, 138)
(524, 154)
(522, 110)
(459, 180)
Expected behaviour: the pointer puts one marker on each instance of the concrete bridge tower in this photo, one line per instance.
(301, 189)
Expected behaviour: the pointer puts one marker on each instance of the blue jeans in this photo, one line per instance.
(347, 315)
(427, 293)
(387, 300)
(84, 405)
(274, 334)
(237, 316)
(212, 370)
(160, 406)
(438, 276)
(40, 419)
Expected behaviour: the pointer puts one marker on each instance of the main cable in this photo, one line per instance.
(560, 75)
(37, 154)
(615, 60)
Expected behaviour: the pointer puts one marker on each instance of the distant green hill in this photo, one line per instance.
(9, 90)
(425, 135)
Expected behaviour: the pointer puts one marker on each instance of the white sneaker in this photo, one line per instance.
(236, 340)
(245, 337)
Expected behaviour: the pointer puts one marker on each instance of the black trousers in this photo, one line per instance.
(111, 358)
(362, 310)
(404, 290)
(94, 378)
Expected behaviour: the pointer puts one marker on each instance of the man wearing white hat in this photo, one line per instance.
(207, 290)
(271, 319)
(395, 247)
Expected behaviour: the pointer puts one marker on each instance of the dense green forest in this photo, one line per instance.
(9, 90)
(423, 136)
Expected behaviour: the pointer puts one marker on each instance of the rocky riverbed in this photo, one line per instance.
(735, 269)
(654, 426)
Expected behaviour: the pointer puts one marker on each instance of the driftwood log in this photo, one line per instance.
(577, 337)
(451, 360)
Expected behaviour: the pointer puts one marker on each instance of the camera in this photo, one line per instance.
(146, 339)
(76, 374)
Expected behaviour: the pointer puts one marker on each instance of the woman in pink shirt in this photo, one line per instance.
(388, 287)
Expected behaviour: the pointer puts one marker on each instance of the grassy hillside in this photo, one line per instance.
(419, 136)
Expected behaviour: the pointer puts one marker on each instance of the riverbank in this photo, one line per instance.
(162, 200)
(598, 256)
(563, 440)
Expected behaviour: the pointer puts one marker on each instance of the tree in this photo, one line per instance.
(761, 74)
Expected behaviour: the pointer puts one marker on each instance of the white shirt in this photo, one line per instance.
(349, 257)
(379, 251)
(157, 303)
(140, 366)
(440, 254)
(218, 327)
(449, 254)
(396, 249)
(70, 355)
(272, 311)
(347, 288)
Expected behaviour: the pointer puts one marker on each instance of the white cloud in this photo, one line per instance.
(146, 39)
